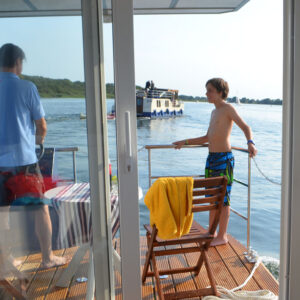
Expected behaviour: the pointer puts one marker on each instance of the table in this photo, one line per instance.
(72, 204)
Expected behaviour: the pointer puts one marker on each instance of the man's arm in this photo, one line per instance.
(195, 141)
(245, 128)
(41, 130)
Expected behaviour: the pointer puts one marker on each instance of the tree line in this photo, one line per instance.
(65, 88)
(234, 100)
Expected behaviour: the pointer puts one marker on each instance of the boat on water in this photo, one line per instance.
(158, 103)
(109, 116)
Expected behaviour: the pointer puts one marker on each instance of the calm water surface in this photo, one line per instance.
(65, 128)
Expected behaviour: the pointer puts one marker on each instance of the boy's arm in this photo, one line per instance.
(245, 128)
(195, 141)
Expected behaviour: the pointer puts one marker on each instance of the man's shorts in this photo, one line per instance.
(21, 185)
(220, 164)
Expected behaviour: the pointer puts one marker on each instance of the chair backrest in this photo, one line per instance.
(208, 195)
(46, 162)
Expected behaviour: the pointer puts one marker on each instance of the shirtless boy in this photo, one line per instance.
(220, 159)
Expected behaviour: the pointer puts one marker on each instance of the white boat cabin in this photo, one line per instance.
(158, 103)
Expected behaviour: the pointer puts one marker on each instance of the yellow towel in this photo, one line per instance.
(170, 203)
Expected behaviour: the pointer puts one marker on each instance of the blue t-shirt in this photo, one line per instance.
(20, 106)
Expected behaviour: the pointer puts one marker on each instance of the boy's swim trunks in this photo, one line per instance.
(220, 164)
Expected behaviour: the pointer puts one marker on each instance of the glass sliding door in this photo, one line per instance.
(48, 218)
(123, 42)
(112, 117)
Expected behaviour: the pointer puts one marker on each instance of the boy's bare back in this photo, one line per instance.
(219, 129)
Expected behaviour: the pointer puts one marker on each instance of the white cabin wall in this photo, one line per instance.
(290, 221)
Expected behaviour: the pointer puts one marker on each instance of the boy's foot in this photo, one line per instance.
(13, 261)
(56, 261)
(219, 241)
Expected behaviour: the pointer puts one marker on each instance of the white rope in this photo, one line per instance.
(243, 295)
(141, 148)
(262, 173)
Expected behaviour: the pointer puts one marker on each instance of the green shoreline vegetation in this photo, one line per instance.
(65, 88)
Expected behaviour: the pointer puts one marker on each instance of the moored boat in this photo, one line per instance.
(158, 103)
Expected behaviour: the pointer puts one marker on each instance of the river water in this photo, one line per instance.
(65, 128)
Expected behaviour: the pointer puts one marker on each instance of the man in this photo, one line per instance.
(220, 160)
(22, 125)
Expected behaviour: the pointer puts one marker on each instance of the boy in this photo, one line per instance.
(220, 159)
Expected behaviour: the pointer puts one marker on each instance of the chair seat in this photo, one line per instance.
(196, 231)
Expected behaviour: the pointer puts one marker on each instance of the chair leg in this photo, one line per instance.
(210, 275)
(157, 279)
(12, 290)
(199, 264)
(149, 253)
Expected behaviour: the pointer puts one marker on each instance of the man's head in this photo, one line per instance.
(11, 58)
(220, 85)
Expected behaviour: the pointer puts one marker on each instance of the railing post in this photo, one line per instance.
(149, 166)
(249, 203)
(74, 166)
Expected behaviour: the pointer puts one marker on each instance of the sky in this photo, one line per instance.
(175, 51)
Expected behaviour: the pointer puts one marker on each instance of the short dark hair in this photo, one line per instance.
(9, 54)
(220, 85)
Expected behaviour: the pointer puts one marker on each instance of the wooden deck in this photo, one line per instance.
(227, 262)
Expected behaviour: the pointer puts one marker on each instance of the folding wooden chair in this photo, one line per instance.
(208, 195)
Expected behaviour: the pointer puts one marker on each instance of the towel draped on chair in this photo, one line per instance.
(169, 201)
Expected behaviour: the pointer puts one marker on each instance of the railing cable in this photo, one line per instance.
(265, 176)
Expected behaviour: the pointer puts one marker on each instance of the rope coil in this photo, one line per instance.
(244, 295)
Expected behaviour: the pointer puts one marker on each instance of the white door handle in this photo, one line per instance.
(128, 141)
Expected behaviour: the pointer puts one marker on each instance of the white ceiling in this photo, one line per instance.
(19, 8)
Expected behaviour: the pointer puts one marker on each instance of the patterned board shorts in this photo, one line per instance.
(220, 164)
(21, 185)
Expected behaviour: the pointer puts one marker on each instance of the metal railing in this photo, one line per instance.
(248, 184)
(73, 150)
(157, 93)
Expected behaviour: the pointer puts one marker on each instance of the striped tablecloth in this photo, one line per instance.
(72, 204)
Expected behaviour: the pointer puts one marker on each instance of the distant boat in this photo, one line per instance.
(237, 101)
(110, 116)
(82, 116)
(158, 103)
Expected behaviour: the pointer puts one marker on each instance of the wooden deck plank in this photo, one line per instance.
(29, 267)
(12, 279)
(54, 292)
(262, 275)
(222, 275)
(42, 280)
(236, 267)
(227, 262)
(182, 281)
(166, 283)
(201, 280)
(78, 290)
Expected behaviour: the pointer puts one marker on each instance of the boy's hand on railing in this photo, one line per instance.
(179, 144)
(252, 150)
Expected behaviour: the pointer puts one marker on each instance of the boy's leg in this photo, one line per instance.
(219, 164)
(221, 237)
